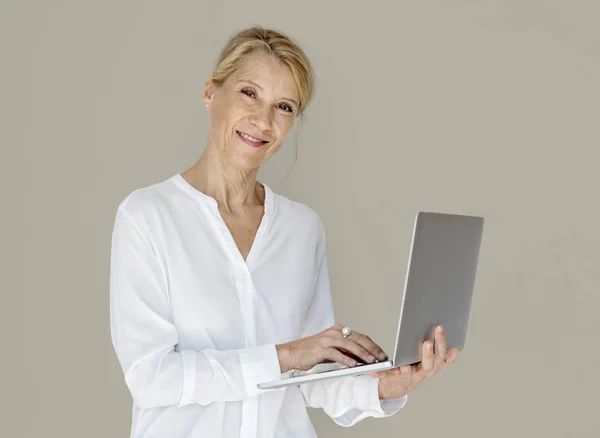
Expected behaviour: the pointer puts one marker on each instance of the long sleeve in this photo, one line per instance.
(347, 400)
(145, 339)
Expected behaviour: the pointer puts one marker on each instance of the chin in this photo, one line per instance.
(244, 161)
(244, 157)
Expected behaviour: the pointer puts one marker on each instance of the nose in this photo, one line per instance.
(262, 117)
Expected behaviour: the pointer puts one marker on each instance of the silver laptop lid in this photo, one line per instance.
(439, 282)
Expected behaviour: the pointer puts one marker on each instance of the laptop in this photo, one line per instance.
(438, 289)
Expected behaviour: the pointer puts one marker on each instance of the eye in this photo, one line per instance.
(286, 107)
(248, 93)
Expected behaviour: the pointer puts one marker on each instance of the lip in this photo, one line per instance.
(248, 142)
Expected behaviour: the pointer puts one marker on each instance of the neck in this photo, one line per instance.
(231, 188)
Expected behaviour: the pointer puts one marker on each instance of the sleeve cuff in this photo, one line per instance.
(189, 377)
(391, 406)
(367, 403)
(259, 364)
(381, 408)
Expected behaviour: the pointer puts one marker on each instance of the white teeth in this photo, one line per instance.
(246, 136)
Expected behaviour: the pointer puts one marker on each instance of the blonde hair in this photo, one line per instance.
(271, 42)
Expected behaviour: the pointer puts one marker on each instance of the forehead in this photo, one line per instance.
(269, 73)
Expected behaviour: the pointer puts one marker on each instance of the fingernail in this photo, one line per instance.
(440, 330)
(371, 358)
(382, 355)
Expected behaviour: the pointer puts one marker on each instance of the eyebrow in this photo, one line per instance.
(261, 89)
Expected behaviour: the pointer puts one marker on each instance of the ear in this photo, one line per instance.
(209, 90)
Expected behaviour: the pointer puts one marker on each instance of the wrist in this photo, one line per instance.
(384, 393)
(283, 355)
(381, 390)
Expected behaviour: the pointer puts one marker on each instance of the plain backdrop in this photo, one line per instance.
(486, 107)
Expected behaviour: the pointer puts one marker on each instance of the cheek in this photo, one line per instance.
(284, 125)
(226, 115)
(238, 106)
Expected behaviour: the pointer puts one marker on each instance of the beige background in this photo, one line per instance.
(476, 107)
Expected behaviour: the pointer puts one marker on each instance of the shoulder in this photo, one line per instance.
(299, 216)
(148, 201)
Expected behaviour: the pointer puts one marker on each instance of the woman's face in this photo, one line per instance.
(252, 112)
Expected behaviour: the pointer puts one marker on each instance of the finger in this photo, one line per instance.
(336, 355)
(427, 360)
(352, 347)
(392, 372)
(406, 371)
(456, 352)
(379, 374)
(440, 346)
(350, 355)
(368, 344)
(451, 356)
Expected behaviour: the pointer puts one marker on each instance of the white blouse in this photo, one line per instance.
(194, 326)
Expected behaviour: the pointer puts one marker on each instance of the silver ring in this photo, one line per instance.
(346, 331)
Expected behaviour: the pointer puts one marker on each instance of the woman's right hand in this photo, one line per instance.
(328, 346)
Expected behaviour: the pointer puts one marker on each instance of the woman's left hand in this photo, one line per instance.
(397, 382)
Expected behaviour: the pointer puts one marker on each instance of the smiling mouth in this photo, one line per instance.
(252, 140)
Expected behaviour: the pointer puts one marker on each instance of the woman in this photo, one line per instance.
(218, 283)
